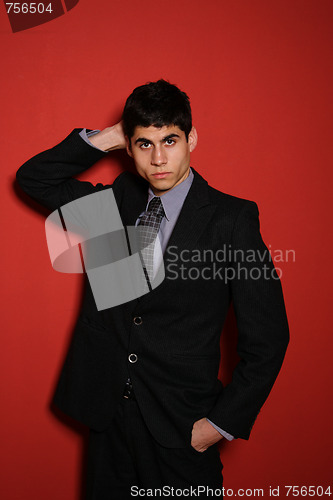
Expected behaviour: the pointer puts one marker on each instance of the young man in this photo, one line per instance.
(143, 374)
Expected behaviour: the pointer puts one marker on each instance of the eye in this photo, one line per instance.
(169, 142)
(145, 145)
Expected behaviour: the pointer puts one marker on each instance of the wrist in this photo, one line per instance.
(108, 139)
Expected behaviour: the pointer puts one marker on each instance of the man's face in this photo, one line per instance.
(162, 155)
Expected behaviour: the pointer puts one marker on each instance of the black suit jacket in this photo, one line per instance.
(177, 343)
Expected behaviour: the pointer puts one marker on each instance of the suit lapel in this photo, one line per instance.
(132, 203)
(134, 199)
(194, 215)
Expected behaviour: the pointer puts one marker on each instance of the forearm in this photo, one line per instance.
(48, 176)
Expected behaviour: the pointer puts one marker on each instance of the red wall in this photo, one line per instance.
(260, 83)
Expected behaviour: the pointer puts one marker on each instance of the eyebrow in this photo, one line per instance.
(167, 137)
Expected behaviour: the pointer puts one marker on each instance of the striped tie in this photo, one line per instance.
(149, 224)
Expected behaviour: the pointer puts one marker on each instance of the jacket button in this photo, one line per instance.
(132, 358)
(137, 320)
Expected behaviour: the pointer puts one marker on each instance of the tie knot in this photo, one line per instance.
(155, 206)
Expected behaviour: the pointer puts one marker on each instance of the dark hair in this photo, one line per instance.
(157, 103)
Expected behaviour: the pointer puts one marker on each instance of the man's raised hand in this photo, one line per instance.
(110, 138)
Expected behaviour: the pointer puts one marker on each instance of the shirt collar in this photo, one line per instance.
(173, 200)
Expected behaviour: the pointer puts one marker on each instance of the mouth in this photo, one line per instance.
(161, 175)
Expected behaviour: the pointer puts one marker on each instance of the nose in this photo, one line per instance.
(158, 156)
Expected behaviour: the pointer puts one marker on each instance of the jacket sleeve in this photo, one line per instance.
(48, 176)
(263, 333)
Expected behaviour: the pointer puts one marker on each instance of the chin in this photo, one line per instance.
(162, 186)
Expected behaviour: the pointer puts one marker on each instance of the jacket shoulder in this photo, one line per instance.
(230, 202)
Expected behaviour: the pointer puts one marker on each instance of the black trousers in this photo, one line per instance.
(126, 462)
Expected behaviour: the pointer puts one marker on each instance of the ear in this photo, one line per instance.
(128, 147)
(193, 139)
